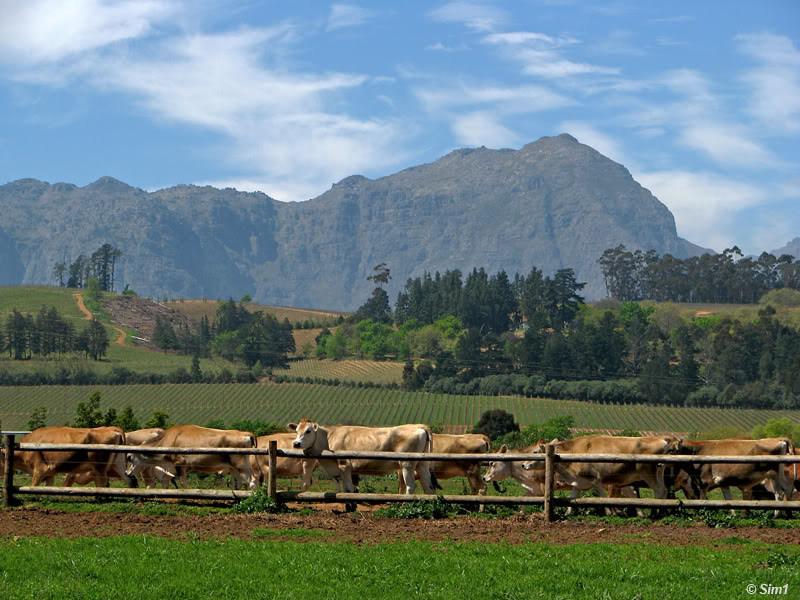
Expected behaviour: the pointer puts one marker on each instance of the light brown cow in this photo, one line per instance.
(314, 439)
(590, 475)
(285, 467)
(468, 443)
(698, 479)
(119, 466)
(194, 436)
(43, 466)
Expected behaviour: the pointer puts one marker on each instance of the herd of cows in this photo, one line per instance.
(778, 480)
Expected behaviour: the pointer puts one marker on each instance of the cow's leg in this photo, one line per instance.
(410, 478)
(476, 483)
(308, 473)
(426, 477)
(726, 492)
(401, 482)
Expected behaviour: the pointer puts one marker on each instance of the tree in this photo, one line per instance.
(127, 421)
(159, 418)
(196, 373)
(381, 275)
(563, 300)
(97, 340)
(89, 414)
(58, 271)
(495, 423)
(38, 418)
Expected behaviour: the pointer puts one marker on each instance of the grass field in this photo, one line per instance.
(144, 567)
(201, 403)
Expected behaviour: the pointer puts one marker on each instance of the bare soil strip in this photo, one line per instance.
(365, 528)
(87, 316)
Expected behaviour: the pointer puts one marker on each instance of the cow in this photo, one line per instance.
(44, 465)
(285, 467)
(591, 475)
(697, 480)
(194, 436)
(468, 443)
(314, 438)
(117, 470)
(532, 480)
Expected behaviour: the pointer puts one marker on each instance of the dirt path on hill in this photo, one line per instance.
(87, 316)
(366, 528)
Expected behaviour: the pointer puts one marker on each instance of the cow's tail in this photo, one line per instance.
(790, 449)
(429, 448)
(259, 475)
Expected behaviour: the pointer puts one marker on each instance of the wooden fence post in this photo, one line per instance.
(8, 476)
(549, 475)
(272, 463)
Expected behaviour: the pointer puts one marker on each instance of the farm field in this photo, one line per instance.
(195, 309)
(345, 370)
(282, 403)
(250, 557)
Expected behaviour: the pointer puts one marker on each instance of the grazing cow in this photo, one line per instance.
(118, 468)
(285, 467)
(194, 436)
(44, 465)
(468, 443)
(590, 475)
(314, 439)
(697, 480)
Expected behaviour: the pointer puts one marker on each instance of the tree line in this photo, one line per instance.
(235, 334)
(100, 264)
(728, 277)
(49, 334)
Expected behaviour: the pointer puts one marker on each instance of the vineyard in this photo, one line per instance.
(195, 309)
(199, 403)
(346, 370)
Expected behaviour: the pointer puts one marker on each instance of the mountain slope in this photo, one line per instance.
(554, 203)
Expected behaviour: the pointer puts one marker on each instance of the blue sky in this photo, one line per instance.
(699, 100)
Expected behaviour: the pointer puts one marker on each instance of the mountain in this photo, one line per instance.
(792, 248)
(554, 203)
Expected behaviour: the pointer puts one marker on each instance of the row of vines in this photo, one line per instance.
(198, 403)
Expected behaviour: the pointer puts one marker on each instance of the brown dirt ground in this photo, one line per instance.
(366, 528)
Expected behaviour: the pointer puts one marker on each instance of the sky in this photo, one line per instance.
(699, 100)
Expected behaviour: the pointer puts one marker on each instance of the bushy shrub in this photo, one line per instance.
(260, 501)
(495, 423)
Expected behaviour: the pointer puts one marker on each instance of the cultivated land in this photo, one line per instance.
(66, 555)
(282, 403)
(187, 403)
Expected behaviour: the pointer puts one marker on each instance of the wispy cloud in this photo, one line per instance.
(348, 15)
(726, 146)
(676, 19)
(478, 17)
(705, 205)
(618, 42)
(775, 82)
(483, 129)
(440, 47)
(41, 31)
(540, 54)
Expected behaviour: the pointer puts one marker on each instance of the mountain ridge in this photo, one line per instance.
(554, 203)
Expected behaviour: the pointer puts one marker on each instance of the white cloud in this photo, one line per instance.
(478, 17)
(483, 129)
(508, 100)
(726, 146)
(36, 31)
(440, 47)
(775, 83)
(678, 19)
(540, 54)
(348, 15)
(705, 205)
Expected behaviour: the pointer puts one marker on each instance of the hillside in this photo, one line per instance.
(792, 248)
(554, 203)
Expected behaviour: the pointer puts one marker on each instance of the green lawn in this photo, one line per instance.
(144, 567)
(31, 298)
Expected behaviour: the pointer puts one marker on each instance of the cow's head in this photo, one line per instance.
(306, 433)
(498, 470)
(674, 445)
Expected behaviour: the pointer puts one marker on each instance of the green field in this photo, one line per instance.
(144, 567)
(346, 370)
(201, 403)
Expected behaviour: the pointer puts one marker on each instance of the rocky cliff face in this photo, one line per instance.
(554, 203)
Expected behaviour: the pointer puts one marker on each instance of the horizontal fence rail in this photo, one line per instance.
(548, 500)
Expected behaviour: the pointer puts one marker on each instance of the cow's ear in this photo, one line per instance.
(292, 427)
(503, 449)
(315, 426)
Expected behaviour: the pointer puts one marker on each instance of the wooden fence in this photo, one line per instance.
(548, 500)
